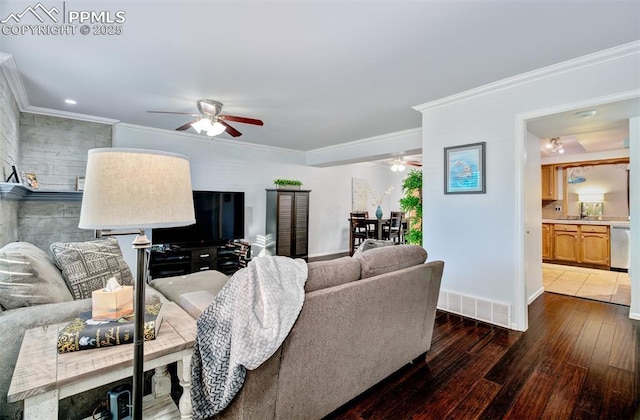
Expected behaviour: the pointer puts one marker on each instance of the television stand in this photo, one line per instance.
(172, 260)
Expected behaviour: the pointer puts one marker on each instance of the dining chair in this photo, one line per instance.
(393, 229)
(359, 229)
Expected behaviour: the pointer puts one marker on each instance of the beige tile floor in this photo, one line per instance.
(590, 283)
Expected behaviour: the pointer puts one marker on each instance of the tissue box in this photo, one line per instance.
(109, 306)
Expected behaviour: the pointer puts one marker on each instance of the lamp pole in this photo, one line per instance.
(141, 244)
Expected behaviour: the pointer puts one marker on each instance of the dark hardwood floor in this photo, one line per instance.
(579, 359)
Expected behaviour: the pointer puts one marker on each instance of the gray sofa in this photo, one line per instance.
(32, 294)
(364, 317)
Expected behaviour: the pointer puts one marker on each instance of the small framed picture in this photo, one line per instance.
(464, 169)
(79, 183)
(31, 180)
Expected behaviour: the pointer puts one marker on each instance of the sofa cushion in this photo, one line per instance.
(323, 274)
(86, 266)
(28, 277)
(175, 288)
(390, 258)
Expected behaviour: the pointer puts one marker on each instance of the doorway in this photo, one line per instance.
(532, 275)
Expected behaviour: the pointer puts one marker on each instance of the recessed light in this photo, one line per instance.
(70, 101)
(586, 114)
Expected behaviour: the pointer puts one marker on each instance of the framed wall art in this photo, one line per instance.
(464, 169)
(30, 179)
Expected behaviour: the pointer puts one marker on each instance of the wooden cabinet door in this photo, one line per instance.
(285, 224)
(595, 248)
(301, 224)
(566, 246)
(547, 250)
(548, 182)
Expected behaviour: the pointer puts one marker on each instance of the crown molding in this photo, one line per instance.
(596, 58)
(70, 115)
(10, 70)
(362, 142)
(372, 148)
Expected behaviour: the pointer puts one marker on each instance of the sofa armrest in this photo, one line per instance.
(437, 268)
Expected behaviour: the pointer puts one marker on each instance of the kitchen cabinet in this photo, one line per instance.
(288, 222)
(549, 187)
(566, 243)
(547, 241)
(584, 244)
(594, 245)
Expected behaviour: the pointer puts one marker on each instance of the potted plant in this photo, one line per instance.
(287, 184)
(411, 204)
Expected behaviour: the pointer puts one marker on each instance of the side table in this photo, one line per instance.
(42, 377)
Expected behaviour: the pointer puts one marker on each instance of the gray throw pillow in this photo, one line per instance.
(387, 259)
(28, 277)
(373, 243)
(86, 266)
(323, 274)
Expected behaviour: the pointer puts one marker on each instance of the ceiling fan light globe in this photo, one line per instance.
(216, 129)
(201, 124)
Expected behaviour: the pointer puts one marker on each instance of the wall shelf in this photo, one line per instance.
(19, 192)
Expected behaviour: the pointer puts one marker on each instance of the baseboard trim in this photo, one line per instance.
(535, 295)
(492, 312)
(634, 315)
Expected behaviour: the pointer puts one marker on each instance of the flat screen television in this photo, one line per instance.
(219, 218)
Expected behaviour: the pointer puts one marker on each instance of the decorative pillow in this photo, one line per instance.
(373, 243)
(86, 266)
(387, 259)
(323, 274)
(28, 277)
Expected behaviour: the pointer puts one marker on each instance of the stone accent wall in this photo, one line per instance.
(56, 150)
(9, 118)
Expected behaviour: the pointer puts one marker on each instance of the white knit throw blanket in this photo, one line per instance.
(244, 326)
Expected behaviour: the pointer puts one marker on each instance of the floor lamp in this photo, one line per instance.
(137, 189)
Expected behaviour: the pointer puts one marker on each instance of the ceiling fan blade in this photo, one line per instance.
(232, 131)
(186, 126)
(413, 163)
(241, 119)
(170, 112)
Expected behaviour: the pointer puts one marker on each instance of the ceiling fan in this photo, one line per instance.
(210, 120)
(400, 165)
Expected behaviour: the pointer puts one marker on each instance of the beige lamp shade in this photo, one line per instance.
(136, 188)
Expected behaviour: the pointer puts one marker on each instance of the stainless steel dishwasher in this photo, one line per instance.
(620, 247)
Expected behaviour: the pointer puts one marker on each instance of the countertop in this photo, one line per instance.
(623, 223)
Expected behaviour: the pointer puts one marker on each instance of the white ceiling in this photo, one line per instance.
(317, 73)
(606, 130)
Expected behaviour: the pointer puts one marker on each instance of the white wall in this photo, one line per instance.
(532, 218)
(481, 236)
(634, 198)
(225, 165)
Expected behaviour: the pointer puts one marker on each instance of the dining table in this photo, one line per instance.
(376, 227)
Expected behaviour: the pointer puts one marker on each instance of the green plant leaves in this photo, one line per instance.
(281, 181)
(412, 203)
